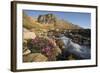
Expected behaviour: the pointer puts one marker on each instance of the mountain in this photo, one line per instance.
(59, 23)
(47, 22)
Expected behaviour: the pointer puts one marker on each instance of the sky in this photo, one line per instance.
(77, 18)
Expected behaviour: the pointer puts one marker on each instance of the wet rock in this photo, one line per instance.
(77, 50)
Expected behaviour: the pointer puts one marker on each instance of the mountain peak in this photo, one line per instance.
(47, 19)
(59, 23)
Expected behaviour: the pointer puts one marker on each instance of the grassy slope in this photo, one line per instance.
(31, 23)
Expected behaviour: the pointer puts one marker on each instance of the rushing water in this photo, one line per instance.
(80, 51)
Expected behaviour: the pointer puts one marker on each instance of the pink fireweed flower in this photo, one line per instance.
(47, 51)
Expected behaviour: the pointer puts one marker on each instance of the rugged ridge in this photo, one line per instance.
(58, 23)
(47, 19)
(47, 22)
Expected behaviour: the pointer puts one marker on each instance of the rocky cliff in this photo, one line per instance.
(47, 19)
(57, 22)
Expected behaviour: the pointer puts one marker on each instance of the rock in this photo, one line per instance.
(56, 51)
(26, 52)
(47, 19)
(29, 35)
(73, 48)
(34, 57)
(71, 57)
(24, 44)
(40, 58)
(53, 53)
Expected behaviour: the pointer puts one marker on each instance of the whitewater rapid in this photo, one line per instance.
(81, 52)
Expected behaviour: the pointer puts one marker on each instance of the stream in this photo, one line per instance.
(79, 51)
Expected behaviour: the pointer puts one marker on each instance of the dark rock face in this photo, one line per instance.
(47, 19)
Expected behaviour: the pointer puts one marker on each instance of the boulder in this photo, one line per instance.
(34, 57)
(29, 35)
(26, 52)
(40, 58)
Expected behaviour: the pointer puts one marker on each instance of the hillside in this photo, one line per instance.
(46, 22)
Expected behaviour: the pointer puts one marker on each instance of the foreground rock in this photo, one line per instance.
(28, 34)
(34, 57)
(26, 52)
